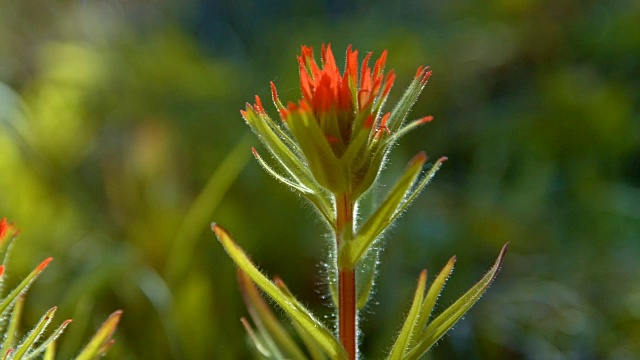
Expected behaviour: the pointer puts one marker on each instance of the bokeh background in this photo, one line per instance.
(121, 140)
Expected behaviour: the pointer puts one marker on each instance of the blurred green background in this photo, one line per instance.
(121, 140)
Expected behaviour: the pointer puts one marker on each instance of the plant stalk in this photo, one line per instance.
(347, 313)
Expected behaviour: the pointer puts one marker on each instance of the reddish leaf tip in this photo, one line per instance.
(420, 157)
(44, 264)
(426, 119)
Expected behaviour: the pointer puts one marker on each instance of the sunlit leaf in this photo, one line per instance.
(267, 323)
(298, 313)
(402, 342)
(23, 348)
(445, 321)
(101, 341)
(432, 295)
(23, 286)
(50, 340)
(312, 345)
(9, 340)
(354, 250)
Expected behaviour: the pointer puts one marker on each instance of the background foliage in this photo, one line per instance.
(114, 116)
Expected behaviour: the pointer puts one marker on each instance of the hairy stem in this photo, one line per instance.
(347, 313)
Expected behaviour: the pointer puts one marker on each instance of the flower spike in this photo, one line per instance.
(335, 129)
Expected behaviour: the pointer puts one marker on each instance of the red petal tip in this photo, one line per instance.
(426, 119)
(443, 159)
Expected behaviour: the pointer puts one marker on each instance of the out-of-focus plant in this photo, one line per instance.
(34, 343)
(330, 149)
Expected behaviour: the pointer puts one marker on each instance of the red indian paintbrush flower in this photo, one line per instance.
(336, 137)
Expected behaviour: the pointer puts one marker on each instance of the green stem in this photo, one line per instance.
(347, 313)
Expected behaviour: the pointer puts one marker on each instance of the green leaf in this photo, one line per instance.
(352, 251)
(50, 340)
(400, 111)
(321, 204)
(291, 306)
(12, 329)
(445, 321)
(416, 190)
(400, 347)
(283, 149)
(34, 334)
(432, 295)
(101, 341)
(23, 286)
(321, 160)
(312, 345)
(275, 336)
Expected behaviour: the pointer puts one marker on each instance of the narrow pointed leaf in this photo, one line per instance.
(50, 340)
(408, 128)
(96, 346)
(288, 157)
(415, 191)
(320, 203)
(432, 295)
(34, 334)
(312, 345)
(441, 324)
(9, 340)
(298, 313)
(400, 111)
(402, 342)
(266, 321)
(354, 250)
(23, 286)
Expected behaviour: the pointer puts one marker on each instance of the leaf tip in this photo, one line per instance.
(44, 264)
(420, 158)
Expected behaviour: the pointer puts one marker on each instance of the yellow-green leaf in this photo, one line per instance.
(354, 250)
(298, 313)
(101, 341)
(402, 342)
(24, 285)
(432, 295)
(445, 321)
(34, 334)
(267, 323)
